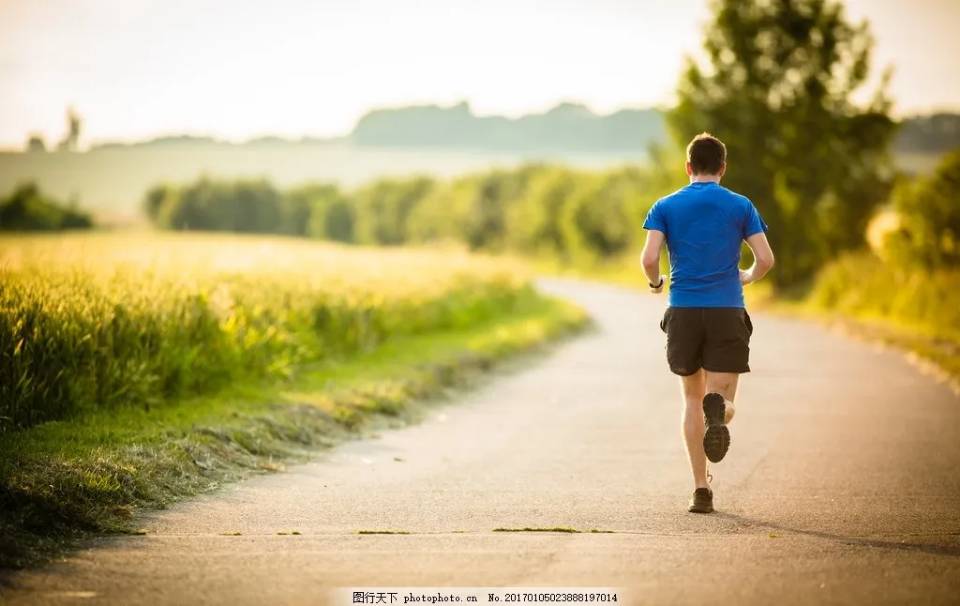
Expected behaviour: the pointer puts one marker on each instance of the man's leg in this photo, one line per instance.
(718, 411)
(694, 388)
(725, 384)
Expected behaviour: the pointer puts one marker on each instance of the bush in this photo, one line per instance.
(27, 209)
(861, 284)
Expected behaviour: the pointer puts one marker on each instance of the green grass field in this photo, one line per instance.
(141, 368)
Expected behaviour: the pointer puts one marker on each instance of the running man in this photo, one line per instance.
(708, 328)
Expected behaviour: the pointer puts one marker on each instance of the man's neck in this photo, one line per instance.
(705, 178)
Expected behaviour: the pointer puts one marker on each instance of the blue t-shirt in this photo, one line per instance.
(705, 224)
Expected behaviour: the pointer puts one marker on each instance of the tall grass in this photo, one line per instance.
(863, 285)
(103, 321)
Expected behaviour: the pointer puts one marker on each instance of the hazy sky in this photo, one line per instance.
(234, 69)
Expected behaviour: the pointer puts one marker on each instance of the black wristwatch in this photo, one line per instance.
(656, 285)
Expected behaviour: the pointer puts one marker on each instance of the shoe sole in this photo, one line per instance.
(716, 439)
(694, 509)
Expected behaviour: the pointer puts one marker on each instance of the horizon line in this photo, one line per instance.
(306, 137)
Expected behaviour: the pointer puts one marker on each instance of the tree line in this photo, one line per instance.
(565, 213)
(569, 215)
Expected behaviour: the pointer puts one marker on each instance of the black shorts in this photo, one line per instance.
(712, 338)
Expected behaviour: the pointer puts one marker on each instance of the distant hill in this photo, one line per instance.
(572, 127)
(171, 141)
(936, 133)
(567, 127)
(183, 141)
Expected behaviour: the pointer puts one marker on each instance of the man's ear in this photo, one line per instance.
(723, 169)
(689, 170)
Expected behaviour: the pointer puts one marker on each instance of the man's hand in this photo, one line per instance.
(746, 277)
(658, 289)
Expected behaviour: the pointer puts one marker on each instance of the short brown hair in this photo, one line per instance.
(706, 154)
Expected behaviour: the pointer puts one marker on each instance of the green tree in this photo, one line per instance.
(296, 212)
(929, 213)
(382, 209)
(777, 89)
(533, 221)
(249, 206)
(496, 192)
(331, 212)
(442, 215)
(599, 219)
(472, 209)
(155, 199)
(252, 206)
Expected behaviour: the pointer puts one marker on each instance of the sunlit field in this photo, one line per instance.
(94, 322)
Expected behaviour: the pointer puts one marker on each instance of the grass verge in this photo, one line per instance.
(65, 480)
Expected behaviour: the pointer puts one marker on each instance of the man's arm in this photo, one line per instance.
(651, 258)
(762, 258)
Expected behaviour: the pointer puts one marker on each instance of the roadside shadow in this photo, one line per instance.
(932, 549)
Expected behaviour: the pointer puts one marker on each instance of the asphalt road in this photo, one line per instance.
(841, 486)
